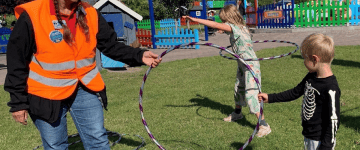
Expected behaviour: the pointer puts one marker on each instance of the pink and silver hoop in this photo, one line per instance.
(222, 49)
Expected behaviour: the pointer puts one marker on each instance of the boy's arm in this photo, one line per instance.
(330, 117)
(289, 95)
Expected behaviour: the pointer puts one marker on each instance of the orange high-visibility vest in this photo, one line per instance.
(56, 67)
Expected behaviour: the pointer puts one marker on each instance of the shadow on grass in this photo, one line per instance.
(350, 121)
(238, 145)
(346, 63)
(125, 140)
(75, 142)
(202, 101)
(181, 144)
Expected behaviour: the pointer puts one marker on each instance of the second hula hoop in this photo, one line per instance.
(266, 58)
(206, 44)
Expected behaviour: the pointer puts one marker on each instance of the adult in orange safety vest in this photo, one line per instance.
(52, 50)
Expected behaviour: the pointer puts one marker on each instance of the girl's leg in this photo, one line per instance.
(53, 135)
(87, 113)
(239, 96)
(251, 92)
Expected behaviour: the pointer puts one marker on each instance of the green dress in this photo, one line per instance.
(246, 89)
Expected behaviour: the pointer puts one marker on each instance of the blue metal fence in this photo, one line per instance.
(4, 38)
(355, 15)
(169, 23)
(286, 22)
(168, 38)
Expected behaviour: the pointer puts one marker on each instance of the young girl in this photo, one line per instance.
(245, 86)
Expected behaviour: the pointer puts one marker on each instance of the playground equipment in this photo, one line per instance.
(122, 20)
(168, 37)
(4, 38)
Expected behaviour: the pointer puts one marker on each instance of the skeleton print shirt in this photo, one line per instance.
(320, 111)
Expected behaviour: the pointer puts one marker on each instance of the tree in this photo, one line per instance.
(139, 6)
(162, 8)
(7, 6)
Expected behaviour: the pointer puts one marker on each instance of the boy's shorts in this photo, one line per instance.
(246, 89)
(311, 144)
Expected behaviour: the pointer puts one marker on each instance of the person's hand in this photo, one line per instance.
(264, 97)
(150, 59)
(20, 116)
(189, 18)
(220, 31)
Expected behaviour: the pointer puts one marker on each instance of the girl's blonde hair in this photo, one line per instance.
(230, 14)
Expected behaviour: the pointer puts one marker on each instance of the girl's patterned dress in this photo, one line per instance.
(246, 89)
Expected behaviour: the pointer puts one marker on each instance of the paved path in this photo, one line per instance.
(341, 37)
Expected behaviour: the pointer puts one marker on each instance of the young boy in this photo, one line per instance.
(321, 105)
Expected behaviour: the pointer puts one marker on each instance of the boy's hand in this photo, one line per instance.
(264, 97)
(189, 18)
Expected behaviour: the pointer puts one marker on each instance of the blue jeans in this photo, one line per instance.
(88, 116)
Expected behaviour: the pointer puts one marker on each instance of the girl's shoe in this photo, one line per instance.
(233, 117)
(263, 130)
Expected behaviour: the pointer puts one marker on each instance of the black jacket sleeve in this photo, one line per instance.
(289, 95)
(20, 49)
(108, 45)
(331, 114)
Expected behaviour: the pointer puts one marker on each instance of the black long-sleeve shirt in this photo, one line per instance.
(320, 107)
(22, 46)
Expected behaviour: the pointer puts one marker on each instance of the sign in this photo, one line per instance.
(273, 14)
(198, 13)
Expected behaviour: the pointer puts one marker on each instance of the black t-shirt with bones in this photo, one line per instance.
(320, 111)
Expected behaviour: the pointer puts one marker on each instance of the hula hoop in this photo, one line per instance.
(110, 134)
(265, 58)
(207, 44)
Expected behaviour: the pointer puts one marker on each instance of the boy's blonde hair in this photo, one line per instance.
(230, 14)
(320, 45)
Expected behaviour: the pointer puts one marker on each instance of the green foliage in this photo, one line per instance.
(162, 8)
(9, 19)
(139, 6)
(184, 102)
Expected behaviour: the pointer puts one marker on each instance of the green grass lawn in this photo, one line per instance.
(185, 100)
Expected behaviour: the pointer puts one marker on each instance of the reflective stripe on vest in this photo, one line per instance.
(55, 67)
(89, 76)
(85, 62)
(64, 65)
(52, 82)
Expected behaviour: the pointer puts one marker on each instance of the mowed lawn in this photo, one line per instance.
(185, 101)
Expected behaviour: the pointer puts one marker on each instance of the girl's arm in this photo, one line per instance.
(212, 24)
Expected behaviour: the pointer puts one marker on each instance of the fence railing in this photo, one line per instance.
(146, 24)
(355, 12)
(322, 13)
(169, 23)
(285, 22)
(164, 23)
(183, 22)
(170, 37)
(144, 37)
(251, 19)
